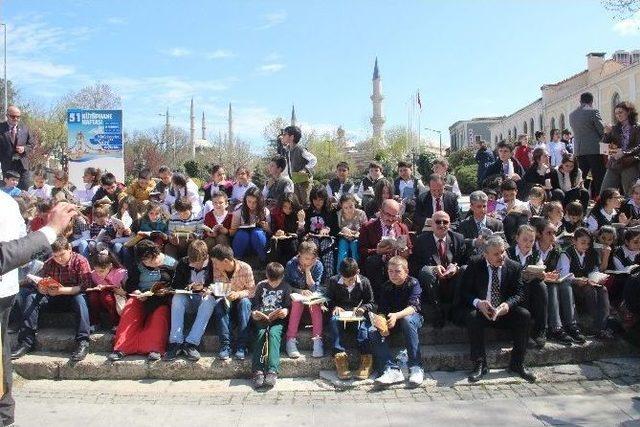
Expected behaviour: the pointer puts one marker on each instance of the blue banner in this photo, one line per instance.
(94, 134)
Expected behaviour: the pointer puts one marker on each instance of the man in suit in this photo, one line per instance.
(588, 131)
(471, 226)
(493, 293)
(436, 199)
(16, 249)
(507, 166)
(436, 261)
(373, 254)
(16, 142)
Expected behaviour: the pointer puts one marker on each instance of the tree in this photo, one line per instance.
(99, 96)
(328, 150)
(622, 8)
(271, 132)
(12, 93)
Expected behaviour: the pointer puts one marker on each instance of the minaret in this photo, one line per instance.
(377, 120)
(230, 136)
(293, 116)
(204, 127)
(192, 133)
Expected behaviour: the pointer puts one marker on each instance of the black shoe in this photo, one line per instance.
(115, 356)
(21, 351)
(154, 356)
(522, 373)
(258, 379)
(479, 370)
(191, 352)
(81, 351)
(270, 379)
(172, 353)
(561, 337)
(577, 336)
(540, 340)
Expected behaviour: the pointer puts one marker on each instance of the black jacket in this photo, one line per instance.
(424, 208)
(425, 251)
(182, 275)
(338, 295)
(475, 282)
(469, 229)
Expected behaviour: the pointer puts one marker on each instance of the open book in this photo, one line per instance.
(44, 283)
(487, 232)
(534, 269)
(560, 279)
(267, 316)
(314, 298)
(284, 236)
(627, 270)
(597, 278)
(349, 316)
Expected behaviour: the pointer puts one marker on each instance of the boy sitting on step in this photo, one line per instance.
(350, 291)
(269, 307)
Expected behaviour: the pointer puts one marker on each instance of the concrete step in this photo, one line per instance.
(60, 338)
(56, 365)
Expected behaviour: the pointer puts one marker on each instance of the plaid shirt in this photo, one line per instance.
(95, 229)
(77, 272)
(240, 280)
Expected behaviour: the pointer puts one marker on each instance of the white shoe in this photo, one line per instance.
(390, 376)
(416, 375)
(292, 348)
(318, 351)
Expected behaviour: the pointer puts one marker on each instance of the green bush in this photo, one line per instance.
(466, 176)
(424, 164)
(463, 157)
(192, 168)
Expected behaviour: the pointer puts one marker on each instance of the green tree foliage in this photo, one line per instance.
(466, 176)
(192, 168)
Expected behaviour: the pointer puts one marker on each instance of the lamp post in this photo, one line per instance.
(439, 132)
(6, 86)
(166, 134)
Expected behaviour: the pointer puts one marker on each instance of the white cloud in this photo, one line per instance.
(272, 19)
(272, 57)
(629, 26)
(270, 68)
(117, 20)
(36, 69)
(177, 52)
(221, 54)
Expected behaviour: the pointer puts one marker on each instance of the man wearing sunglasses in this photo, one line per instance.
(437, 260)
(16, 142)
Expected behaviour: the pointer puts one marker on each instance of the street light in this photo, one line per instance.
(6, 86)
(439, 136)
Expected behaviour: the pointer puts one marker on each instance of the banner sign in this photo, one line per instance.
(94, 140)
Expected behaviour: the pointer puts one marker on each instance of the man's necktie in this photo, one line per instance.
(14, 133)
(438, 204)
(495, 287)
(442, 252)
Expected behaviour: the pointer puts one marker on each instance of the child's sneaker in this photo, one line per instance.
(416, 375)
(258, 379)
(270, 379)
(292, 348)
(225, 353)
(390, 376)
(318, 350)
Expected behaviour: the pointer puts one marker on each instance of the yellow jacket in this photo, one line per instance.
(141, 193)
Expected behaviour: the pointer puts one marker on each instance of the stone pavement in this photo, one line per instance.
(599, 394)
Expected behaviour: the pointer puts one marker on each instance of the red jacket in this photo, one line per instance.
(371, 234)
(522, 154)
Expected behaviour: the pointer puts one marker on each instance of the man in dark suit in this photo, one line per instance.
(493, 293)
(436, 261)
(387, 228)
(436, 199)
(507, 166)
(471, 226)
(586, 124)
(16, 142)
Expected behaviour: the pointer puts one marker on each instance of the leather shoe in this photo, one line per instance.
(81, 351)
(20, 351)
(523, 373)
(479, 370)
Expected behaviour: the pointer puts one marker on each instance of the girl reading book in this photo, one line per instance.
(107, 281)
(250, 225)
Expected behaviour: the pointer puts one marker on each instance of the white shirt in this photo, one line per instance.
(86, 194)
(238, 190)
(556, 150)
(501, 207)
(543, 254)
(402, 184)
(564, 264)
(312, 161)
(592, 223)
(629, 254)
(199, 276)
(41, 193)
(340, 191)
(521, 256)
(489, 284)
(191, 192)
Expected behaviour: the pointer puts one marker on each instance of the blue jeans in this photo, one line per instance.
(255, 239)
(382, 357)
(181, 304)
(347, 248)
(336, 332)
(222, 314)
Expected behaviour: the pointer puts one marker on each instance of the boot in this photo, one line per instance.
(342, 365)
(366, 364)
(318, 350)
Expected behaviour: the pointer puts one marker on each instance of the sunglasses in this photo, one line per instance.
(441, 222)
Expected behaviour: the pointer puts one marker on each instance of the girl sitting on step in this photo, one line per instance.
(108, 279)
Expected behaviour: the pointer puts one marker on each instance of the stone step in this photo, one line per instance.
(60, 338)
(56, 365)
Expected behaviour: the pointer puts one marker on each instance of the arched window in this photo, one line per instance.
(515, 132)
(524, 127)
(553, 123)
(615, 100)
(541, 123)
(562, 123)
(501, 137)
(509, 133)
(531, 129)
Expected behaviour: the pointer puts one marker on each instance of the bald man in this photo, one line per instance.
(16, 142)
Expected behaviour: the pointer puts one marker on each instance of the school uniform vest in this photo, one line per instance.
(368, 183)
(276, 191)
(601, 219)
(295, 159)
(619, 253)
(582, 270)
(531, 259)
(334, 185)
(551, 263)
(396, 187)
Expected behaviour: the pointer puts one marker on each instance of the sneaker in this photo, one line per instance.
(191, 352)
(115, 356)
(577, 336)
(416, 375)
(258, 379)
(154, 356)
(292, 348)
(318, 350)
(173, 350)
(540, 340)
(225, 353)
(390, 376)
(81, 351)
(561, 337)
(270, 379)
(241, 353)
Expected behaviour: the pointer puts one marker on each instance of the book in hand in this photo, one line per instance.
(627, 270)
(486, 232)
(560, 279)
(393, 243)
(247, 226)
(349, 316)
(267, 316)
(534, 269)
(380, 323)
(564, 235)
(44, 283)
(284, 236)
(157, 289)
(314, 298)
(596, 278)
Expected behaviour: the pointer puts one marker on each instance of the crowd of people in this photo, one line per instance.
(533, 254)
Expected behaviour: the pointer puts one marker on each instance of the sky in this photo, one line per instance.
(467, 58)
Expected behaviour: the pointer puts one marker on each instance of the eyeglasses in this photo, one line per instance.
(13, 116)
(393, 214)
(441, 222)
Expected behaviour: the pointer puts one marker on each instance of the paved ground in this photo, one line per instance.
(501, 400)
